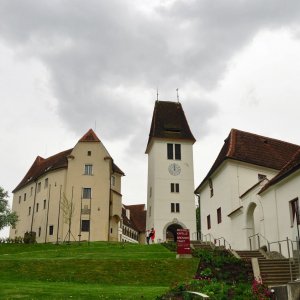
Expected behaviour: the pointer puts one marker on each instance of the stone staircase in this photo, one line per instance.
(272, 271)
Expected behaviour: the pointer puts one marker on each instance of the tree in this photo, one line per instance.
(68, 209)
(7, 217)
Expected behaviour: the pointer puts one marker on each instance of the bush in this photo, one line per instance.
(30, 237)
(222, 266)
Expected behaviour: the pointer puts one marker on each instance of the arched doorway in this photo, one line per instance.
(253, 225)
(171, 232)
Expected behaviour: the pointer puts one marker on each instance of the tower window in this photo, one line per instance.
(174, 149)
(175, 207)
(174, 187)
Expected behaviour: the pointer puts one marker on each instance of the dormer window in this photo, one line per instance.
(261, 177)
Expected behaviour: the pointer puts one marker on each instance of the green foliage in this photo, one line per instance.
(216, 290)
(7, 218)
(30, 237)
(223, 266)
(172, 246)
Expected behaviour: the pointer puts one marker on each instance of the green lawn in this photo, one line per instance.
(96, 271)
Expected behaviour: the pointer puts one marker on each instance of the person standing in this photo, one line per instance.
(148, 236)
(152, 235)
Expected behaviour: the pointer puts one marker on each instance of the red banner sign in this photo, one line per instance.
(183, 241)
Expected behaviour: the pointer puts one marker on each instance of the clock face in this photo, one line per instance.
(174, 169)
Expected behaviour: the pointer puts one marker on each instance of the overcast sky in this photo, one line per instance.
(69, 65)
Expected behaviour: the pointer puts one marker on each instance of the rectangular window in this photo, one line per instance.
(170, 151)
(51, 229)
(174, 187)
(45, 204)
(29, 210)
(85, 225)
(174, 148)
(20, 199)
(89, 153)
(175, 207)
(25, 197)
(87, 193)
(294, 212)
(46, 183)
(219, 215)
(177, 151)
(39, 187)
(150, 211)
(31, 191)
(40, 230)
(211, 187)
(208, 222)
(88, 169)
(150, 192)
(37, 207)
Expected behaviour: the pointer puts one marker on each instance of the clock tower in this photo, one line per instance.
(170, 195)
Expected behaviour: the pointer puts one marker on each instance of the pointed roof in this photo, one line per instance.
(292, 166)
(90, 136)
(42, 165)
(169, 122)
(253, 149)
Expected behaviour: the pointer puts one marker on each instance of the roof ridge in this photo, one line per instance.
(90, 136)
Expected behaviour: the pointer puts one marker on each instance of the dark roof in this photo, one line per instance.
(253, 149)
(169, 121)
(292, 166)
(42, 165)
(137, 217)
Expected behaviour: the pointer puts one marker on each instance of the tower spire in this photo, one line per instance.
(177, 95)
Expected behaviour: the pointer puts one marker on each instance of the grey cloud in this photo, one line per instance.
(92, 48)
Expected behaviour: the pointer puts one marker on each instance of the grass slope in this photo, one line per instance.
(96, 271)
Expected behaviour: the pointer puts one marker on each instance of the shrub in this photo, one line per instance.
(30, 237)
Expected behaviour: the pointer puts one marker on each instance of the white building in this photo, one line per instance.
(170, 198)
(252, 189)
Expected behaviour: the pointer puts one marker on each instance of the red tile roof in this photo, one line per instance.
(292, 166)
(137, 217)
(42, 166)
(90, 136)
(253, 149)
(169, 121)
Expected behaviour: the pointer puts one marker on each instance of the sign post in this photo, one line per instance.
(183, 244)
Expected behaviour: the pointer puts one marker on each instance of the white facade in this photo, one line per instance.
(165, 207)
(229, 183)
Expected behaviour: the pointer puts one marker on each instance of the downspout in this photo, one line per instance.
(110, 194)
(33, 209)
(47, 214)
(199, 236)
(58, 218)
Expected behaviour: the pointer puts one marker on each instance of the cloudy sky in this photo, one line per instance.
(70, 65)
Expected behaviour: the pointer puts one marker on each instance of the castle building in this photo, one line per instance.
(71, 196)
(170, 197)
